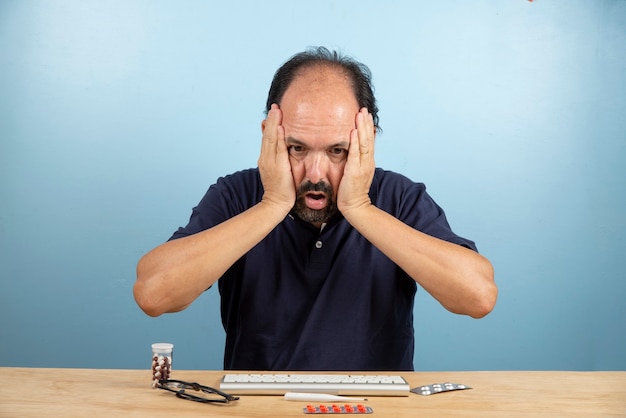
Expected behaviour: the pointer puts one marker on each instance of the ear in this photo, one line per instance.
(263, 127)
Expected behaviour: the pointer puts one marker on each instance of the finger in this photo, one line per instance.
(354, 153)
(366, 131)
(271, 128)
(274, 118)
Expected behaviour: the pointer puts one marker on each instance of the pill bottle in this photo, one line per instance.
(162, 354)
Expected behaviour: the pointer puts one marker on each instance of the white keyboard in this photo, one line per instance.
(335, 384)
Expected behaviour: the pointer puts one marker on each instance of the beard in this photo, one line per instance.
(307, 214)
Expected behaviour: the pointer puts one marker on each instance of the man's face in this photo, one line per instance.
(319, 110)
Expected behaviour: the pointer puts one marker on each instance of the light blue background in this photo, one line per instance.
(115, 117)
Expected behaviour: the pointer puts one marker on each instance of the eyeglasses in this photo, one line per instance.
(210, 395)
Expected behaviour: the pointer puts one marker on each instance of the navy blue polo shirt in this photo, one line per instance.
(302, 299)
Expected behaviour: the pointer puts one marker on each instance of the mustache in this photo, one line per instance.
(320, 186)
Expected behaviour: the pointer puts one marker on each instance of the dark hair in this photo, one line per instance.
(358, 73)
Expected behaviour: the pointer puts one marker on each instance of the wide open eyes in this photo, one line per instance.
(335, 154)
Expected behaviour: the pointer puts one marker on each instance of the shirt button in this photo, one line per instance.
(318, 244)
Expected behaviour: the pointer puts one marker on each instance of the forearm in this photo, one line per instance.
(174, 274)
(459, 278)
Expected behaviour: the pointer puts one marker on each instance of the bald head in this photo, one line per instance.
(324, 63)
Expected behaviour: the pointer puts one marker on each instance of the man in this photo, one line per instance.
(318, 252)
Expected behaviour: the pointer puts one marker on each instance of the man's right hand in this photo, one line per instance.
(274, 166)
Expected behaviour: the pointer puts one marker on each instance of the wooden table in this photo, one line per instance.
(89, 393)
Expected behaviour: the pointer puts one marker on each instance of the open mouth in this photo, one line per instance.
(315, 200)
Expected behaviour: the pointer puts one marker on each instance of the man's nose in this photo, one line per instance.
(316, 167)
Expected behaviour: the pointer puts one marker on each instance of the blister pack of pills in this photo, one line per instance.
(438, 388)
(337, 409)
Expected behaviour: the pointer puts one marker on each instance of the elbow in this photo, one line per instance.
(146, 294)
(486, 297)
(479, 297)
(476, 304)
(153, 294)
(148, 303)
(485, 303)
